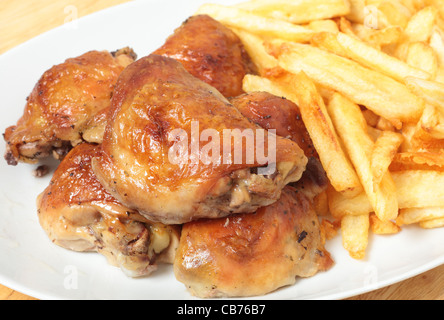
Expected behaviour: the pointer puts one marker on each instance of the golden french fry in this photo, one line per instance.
(354, 231)
(378, 38)
(420, 26)
(432, 224)
(431, 91)
(395, 12)
(377, 92)
(373, 133)
(264, 26)
(298, 11)
(359, 146)
(422, 57)
(432, 123)
(345, 27)
(252, 83)
(340, 205)
(416, 215)
(414, 189)
(254, 45)
(384, 150)
(357, 12)
(325, 139)
(428, 134)
(437, 44)
(419, 188)
(323, 26)
(382, 227)
(417, 161)
(359, 51)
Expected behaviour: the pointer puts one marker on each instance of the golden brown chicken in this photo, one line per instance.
(78, 214)
(211, 52)
(157, 110)
(272, 112)
(62, 103)
(252, 254)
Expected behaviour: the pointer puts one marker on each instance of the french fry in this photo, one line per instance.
(427, 135)
(298, 11)
(254, 45)
(357, 11)
(341, 205)
(426, 190)
(417, 161)
(264, 26)
(323, 26)
(355, 231)
(420, 26)
(419, 188)
(378, 38)
(359, 146)
(432, 224)
(422, 57)
(359, 51)
(416, 215)
(383, 227)
(377, 92)
(254, 83)
(338, 168)
(395, 12)
(431, 91)
(437, 44)
(384, 151)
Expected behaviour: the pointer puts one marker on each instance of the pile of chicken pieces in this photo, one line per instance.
(108, 117)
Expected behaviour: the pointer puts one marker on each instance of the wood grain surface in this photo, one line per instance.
(21, 20)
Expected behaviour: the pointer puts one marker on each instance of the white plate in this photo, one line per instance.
(31, 264)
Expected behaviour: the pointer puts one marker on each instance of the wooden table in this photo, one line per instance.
(21, 20)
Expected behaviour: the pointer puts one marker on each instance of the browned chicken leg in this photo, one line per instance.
(256, 253)
(211, 52)
(272, 112)
(156, 101)
(252, 254)
(62, 103)
(78, 214)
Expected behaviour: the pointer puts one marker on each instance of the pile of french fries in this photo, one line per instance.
(368, 77)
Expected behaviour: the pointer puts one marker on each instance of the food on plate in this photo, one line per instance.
(78, 214)
(63, 101)
(157, 108)
(211, 52)
(298, 11)
(265, 26)
(348, 94)
(276, 112)
(252, 254)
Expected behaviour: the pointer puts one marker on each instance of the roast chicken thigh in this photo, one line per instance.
(156, 106)
(252, 254)
(256, 253)
(62, 103)
(211, 52)
(77, 213)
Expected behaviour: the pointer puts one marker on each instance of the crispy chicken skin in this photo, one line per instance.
(153, 97)
(252, 254)
(211, 52)
(62, 103)
(78, 214)
(272, 112)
